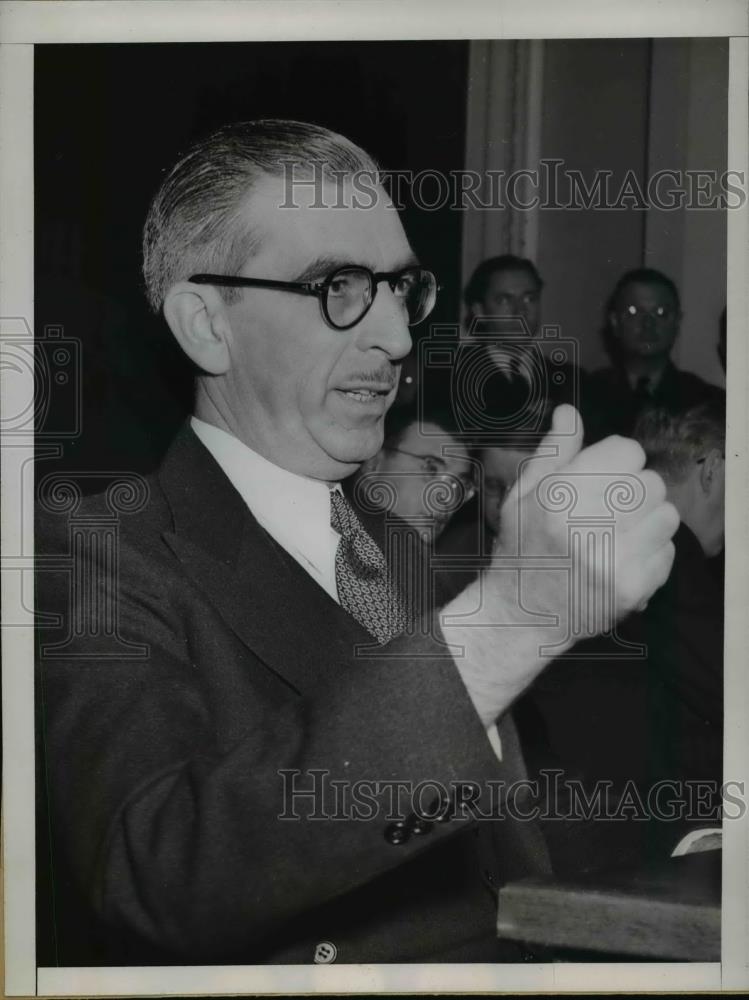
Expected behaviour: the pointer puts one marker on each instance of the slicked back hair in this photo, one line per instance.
(643, 276)
(195, 222)
(674, 442)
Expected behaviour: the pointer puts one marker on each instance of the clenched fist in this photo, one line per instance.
(585, 539)
(591, 528)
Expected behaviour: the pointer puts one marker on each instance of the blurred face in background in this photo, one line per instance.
(499, 470)
(424, 476)
(645, 320)
(512, 294)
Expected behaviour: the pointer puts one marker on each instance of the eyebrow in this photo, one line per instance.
(322, 266)
(429, 454)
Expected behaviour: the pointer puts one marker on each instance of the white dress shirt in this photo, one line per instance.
(293, 509)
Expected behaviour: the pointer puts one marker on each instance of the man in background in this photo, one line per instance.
(643, 319)
(657, 717)
(521, 378)
(685, 617)
(505, 287)
(423, 473)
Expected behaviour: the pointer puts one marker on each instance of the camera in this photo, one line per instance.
(46, 380)
(502, 382)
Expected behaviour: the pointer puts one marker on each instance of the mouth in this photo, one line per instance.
(364, 395)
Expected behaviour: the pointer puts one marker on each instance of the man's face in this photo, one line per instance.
(500, 468)
(308, 397)
(428, 472)
(509, 295)
(645, 321)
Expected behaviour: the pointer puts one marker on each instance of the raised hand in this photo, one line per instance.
(597, 513)
(585, 539)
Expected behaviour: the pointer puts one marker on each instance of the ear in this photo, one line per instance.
(197, 317)
(712, 471)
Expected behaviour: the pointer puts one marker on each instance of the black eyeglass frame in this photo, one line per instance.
(320, 288)
(468, 483)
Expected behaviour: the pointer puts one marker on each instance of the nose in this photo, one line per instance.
(649, 320)
(385, 326)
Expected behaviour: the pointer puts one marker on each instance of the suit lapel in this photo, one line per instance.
(260, 591)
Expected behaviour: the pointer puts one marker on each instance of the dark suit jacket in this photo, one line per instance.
(165, 843)
(647, 720)
(490, 399)
(610, 406)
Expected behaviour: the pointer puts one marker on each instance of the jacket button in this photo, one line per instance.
(325, 953)
(397, 833)
(421, 826)
(439, 810)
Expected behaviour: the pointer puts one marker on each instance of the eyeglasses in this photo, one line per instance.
(462, 486)
(347, 294)
(659, 312)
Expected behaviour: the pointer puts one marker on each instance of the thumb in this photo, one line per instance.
(557, 449)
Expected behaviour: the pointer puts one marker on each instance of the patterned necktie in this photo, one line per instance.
(365, 589)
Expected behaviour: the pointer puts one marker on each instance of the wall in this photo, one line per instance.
(689, 131)
(109, 119)
(618, 106)
(594, 118)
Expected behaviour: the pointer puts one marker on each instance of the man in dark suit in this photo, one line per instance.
(514, 374)
(643, 317)
(253, 751)
(683, 625)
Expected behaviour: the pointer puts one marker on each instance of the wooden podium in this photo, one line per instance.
(671, 912)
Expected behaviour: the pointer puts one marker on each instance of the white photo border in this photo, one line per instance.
(24, 24)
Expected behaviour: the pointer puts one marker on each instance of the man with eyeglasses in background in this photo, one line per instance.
(228, 797)
(642, 324)
(423, 472)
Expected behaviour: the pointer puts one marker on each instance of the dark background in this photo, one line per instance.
(110, 120)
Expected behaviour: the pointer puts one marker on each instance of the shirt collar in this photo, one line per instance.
(294, 509)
